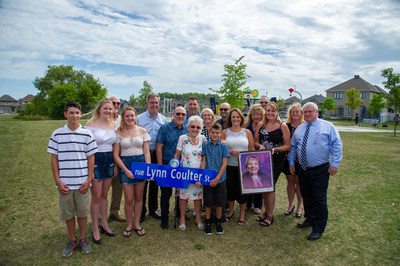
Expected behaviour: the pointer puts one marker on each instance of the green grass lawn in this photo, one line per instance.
(363, 225)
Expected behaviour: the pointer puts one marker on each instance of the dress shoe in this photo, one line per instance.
(314, 236)
(117, 217)
(164, 224)
(98, 242)
(304, 224)
(103, 231)
(155, 215)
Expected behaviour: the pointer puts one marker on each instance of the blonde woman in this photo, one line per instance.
(272, 134)
(295, 119)
(254, 117)
(102, 125)
(208, 119)
(132, 145)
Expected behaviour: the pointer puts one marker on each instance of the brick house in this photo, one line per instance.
(338, 93)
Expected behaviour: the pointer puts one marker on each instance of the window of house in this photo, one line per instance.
(362, 95)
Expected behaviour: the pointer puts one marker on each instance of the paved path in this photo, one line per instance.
(360, 129)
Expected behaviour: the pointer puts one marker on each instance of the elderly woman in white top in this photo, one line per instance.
(132, 145)
(189, 151)
(102, 125)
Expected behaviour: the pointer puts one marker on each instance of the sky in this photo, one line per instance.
(182, 46)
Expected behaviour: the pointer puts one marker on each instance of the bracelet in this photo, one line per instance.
(58, 183)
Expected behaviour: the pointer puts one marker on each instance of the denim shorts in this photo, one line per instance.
(128, 160)
(103, 165)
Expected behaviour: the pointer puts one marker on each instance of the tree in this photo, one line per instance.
(354, 99)
(82, 86)
(376, 104)
(392, 84)
(233, 90)
(132, 100)
(146, 90)
(328, 104)
(280, 103)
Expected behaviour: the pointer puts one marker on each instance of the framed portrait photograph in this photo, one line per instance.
(256, 172)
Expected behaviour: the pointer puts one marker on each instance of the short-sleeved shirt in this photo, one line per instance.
(72, 148)
(168, 135)
(152, 125)
(214, 154)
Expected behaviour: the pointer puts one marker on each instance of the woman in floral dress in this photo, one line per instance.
(189, 151)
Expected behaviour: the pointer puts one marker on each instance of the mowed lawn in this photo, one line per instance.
(363, 225)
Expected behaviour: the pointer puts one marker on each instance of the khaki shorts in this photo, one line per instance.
(73, 202)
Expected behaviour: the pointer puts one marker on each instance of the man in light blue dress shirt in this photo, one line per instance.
(151, 120)
(322, 153)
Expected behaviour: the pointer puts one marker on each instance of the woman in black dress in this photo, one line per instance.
(274, 135)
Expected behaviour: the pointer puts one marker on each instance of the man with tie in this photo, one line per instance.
(317, 145)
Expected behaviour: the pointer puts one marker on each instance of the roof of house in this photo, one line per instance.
(317, 98)
(292, 99)
(359, 84)
(28, 97)
(7, 98)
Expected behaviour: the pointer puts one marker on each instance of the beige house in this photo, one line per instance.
(338, 93)
(28, 98)
(8, 104)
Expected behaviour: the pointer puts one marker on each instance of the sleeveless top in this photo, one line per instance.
(132, 146)
(105, 138)
(271, 139)
(236, 141)
(250, 127)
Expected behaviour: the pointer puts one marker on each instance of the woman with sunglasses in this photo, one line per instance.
(189, 151)
(238, 139)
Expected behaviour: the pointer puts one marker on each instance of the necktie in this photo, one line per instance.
(303, 157)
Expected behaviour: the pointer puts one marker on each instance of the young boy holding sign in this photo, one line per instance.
(215, 157)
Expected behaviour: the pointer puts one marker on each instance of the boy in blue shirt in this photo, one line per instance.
(215, 157)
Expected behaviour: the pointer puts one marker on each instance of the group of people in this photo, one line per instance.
(100, 154)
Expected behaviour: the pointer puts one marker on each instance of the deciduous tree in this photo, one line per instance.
(328, 104)
(354, 99)
(146, 90)
(233, 89)
(393, 85)
(376, 104)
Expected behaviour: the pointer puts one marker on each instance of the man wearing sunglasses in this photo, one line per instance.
(264, 101)
(116, 187)
(224, 111)
(151, 120)
(167, 139)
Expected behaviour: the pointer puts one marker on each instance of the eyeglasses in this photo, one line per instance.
(223, 109)
(180, 114)
(196, 127)
(117, 103)
(263, 102)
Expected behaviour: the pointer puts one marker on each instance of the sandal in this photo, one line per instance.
(240, 222)
(139, 232)
(228, 218)
(200, 226)
(128, 233)
(265, 224)
(257, 211)
(182, 227)
(262, 217)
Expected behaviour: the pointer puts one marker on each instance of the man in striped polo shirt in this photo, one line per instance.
(72, 151)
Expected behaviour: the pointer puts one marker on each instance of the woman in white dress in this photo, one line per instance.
(132, 145)
(189, 151)
(102, 125)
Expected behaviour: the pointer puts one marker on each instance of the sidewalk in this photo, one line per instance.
(360, 129)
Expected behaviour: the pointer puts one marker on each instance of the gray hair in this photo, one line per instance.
(313, 105)
(195, 118)
(151, 96)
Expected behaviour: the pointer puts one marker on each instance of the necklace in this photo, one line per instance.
(193, 141)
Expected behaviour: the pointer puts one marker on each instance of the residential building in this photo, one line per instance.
(338, 93)
(28, 98)
(8, 104)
